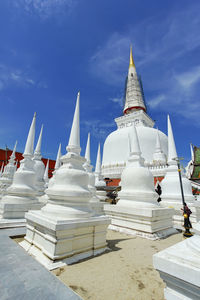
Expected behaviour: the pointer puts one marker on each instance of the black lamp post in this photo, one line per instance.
(187, 224)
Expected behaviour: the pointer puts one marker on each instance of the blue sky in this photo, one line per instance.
(51, 49)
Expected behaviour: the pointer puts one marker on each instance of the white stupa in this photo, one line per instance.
(44, 198)
(57, 165)
(21, 195)
(99, 182)
(7, 176)
(179, 267)
(95, 203)
(170, 185)
(39, 166)
(116, 151)
(137, 211)
(73, 232)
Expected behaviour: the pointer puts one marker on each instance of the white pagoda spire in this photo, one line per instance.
(134, 98)
(99, 182)
(59, 154)
(171, 145)
(46, 173)
(28, 151)
(159, 155)
(192, 152)
(74, 139)
(14, 150)
(98, 161)
(38, 146)
(87, 150)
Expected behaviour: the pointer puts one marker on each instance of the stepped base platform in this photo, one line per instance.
(150, 223)
(57, 242)
(18, 210)
(12, 223)
(179, 267)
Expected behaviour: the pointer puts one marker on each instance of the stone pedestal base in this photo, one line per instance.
(179, 267)
(178, 219)
(54, 242)
(151, 223)
(12, 223)
(17, 211)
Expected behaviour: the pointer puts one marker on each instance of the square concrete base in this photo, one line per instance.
(151, 223)
(179, 267)
(12, 223)
(17, 211)
(57, 242)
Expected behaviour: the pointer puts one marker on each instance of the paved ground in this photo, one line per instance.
(23, 278)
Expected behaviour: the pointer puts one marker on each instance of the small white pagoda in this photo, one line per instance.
(137, 211)
(95, 203)
(21, 195)
(99, 182)
(171, 190)
(39, 166)
(66, 228)
(6, 178)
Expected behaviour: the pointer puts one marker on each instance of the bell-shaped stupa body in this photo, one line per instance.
(99, 182)
(21, 195)
(7, 176)
(137, 211)
(137, 183)
(95, 201)
(39, 166)
(74, 231)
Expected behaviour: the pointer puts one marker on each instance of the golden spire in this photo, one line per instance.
(131, 64)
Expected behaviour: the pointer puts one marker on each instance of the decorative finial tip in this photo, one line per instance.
(34, 115)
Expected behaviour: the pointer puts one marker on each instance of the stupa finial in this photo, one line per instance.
(131, 63)
(74, 139)
(38, 146)
(46, 173)
(98, 161)
(158, 144)
(192, 152)
(171, 143)
(14, 150)
(135, 146)
(30, 139)
(87, 150)
(57, 164)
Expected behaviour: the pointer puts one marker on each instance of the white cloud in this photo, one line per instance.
(97, 128)
(10, 76)
(117, 100)
(45, 8)
(188, 79)
(155, 102)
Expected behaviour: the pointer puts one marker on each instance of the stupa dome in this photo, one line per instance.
(116, 146)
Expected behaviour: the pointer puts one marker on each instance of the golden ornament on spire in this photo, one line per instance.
(131, 64)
